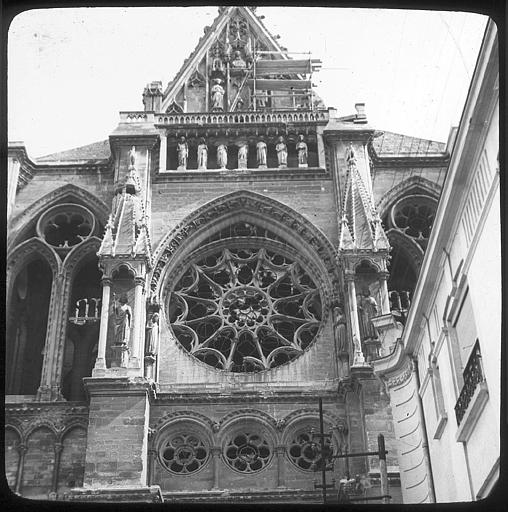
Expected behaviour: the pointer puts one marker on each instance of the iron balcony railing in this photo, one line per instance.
(473, 376)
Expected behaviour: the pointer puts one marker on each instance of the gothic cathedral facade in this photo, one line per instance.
(183, 295)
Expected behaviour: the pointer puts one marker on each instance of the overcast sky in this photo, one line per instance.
(70, 71)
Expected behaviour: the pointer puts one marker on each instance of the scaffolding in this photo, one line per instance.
(259, 77)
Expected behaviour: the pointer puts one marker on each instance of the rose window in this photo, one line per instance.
(304, 451)
(248, 452)
(184, 453)
(414, 216)
(245, 309)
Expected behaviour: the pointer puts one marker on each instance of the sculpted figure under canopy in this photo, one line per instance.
(243, 152)
(282, 152)
(202, 154)
(217, 95)
(183, 153)
(302, 150)
(222, 156)
(123, 320)
(261, 153)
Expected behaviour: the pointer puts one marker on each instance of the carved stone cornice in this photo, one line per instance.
(401, 377)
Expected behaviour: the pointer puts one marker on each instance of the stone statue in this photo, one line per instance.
(282, 152)
(238, 62)
(243, 152)
(152, 333)
(261, 153)
(123, 320)
(222, 156)
(132, 156)
(183, 153)
(217, 95)
(202, 154)
(350, 155)
(339, 324)
(301, 149)
(367, 308)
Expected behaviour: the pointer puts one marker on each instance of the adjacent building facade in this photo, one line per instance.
(180, 296)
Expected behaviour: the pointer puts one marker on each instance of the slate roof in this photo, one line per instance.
(95, 151)
(396, 144)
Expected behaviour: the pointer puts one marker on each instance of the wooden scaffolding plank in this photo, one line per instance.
(300, 66)
(266, 84)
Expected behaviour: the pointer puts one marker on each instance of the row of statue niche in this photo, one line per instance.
(243, 152)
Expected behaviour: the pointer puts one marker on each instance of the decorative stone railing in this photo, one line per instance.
(87, 311)
(243, 117)
(473, 376)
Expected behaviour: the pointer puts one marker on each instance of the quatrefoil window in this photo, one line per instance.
(245, 309)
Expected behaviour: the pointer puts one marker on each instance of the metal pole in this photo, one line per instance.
(382, 467)
(322, 441)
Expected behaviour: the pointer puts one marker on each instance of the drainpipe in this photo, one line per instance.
(425, 441)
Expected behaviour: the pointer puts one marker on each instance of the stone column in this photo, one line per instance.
(12, 181)
(216, 465)
(49, 389)
(56, 469)
(163, 152)
(100, 363)
(22, 448)
(281, 473)
(358, 357)
(383, 289)
(138, 320)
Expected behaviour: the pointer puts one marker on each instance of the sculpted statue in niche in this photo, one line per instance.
(123, 320)
(367, 308)
(202, 154)
(282, 152)
(217, 95)
(243, 153)
(183, 153)
(301, 149)
(261, 153)
(222, 156)
(152, 333)
(341, 344)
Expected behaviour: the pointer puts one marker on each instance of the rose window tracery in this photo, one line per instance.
(245, 309)
(66, 225)
(414, 216)
(304, 451)
(247, 452)
(184, 453)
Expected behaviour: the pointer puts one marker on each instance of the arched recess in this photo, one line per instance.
(246, 206)
(39, 463)
(71, 469)
(246, 235)
(12, 458)
(31, 270)
(405, 261)
(23, 225)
